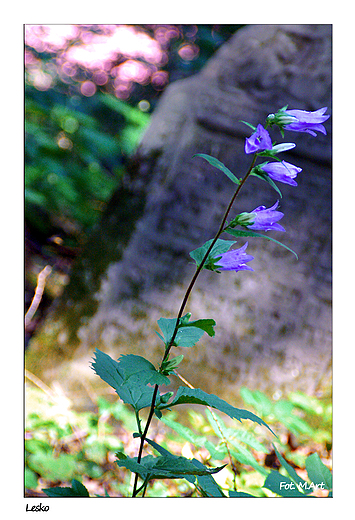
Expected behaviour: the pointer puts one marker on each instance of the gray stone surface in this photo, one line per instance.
(274, 325)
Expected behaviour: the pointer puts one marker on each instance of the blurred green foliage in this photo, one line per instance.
(304, 416)
(75, 154)
(62, 444)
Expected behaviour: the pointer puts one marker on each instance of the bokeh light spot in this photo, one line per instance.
(144, 105)
(160, 79)
(88, 88)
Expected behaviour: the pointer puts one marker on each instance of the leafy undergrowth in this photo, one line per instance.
(62, 444)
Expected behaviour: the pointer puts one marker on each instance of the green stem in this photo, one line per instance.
(200, 267)
(182, 308)
(144, 435)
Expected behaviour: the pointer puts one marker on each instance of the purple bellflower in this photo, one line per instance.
(282, 172)
(265, 219)
(308, 121)
(300, 120)
(259, 141)
(234, 260)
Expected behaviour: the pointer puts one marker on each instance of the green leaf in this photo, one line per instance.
(218, 164)
(294, 476)
(160, 449)
(248, 124)
(258, 400)
(205, 325)
(188, 337)
(167, 466)
(240, 233)
(318, 473)
(206, 483)
(249, 439)
(246, 458)
(167, 326)
(219, 453)
(233, 434)
(196, 396)
(137, 369)
(129, 377)
(188, 334)
(282, 486)
(77, 490)
(169, 365)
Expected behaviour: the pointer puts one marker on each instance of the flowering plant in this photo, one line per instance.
(138, 382)
(299, 120)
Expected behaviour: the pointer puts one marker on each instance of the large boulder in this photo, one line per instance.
(274, 325)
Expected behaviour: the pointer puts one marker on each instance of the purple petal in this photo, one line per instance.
(282, 171)
(235, 260)
(259, 141)
(309, 122)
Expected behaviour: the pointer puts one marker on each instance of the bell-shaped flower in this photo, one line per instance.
(308, 121)
(265, 219)
(300, 120)
(234, 260)
(259, 141)
(282, 172)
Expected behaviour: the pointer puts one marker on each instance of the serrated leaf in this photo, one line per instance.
(163, 467)
(77, 490)
(196, 396)
(282, 485)
(186, 337)
(129, 377)
(207, 484)
(206, 325)
(318, 473)
(138, 369)
(242, 233)
(218, 164)
(188, 334)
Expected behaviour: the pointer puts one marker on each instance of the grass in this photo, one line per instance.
(62, 444)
